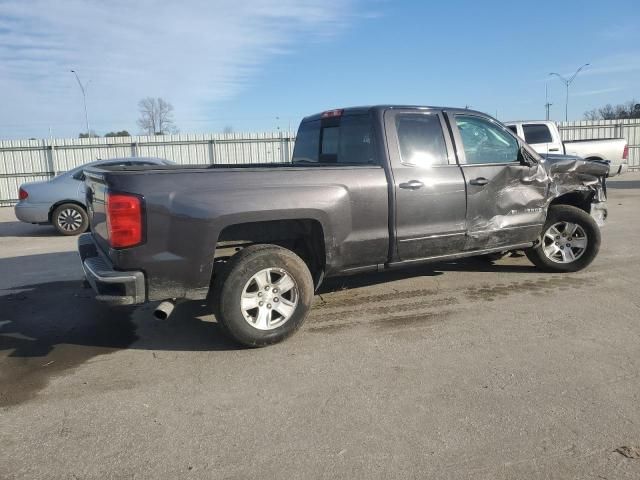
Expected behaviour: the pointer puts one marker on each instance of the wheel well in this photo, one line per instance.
(62, 202)
(593, 158)
(305, 237)
(582, 200)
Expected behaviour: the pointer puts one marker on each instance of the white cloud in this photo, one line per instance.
(598, 91)
(193, 53)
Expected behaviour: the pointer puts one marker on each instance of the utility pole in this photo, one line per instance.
(546, 99)
(84, 99)
(567, 82)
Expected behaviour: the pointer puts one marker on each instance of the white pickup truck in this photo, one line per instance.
(544, 137)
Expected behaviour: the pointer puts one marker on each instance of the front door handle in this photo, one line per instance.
(554, 149)
(479, 181)
(412, 185)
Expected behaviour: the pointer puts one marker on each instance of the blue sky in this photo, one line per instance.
(257, 65)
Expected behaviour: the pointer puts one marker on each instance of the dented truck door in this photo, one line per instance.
(430, 204)
(506, 200)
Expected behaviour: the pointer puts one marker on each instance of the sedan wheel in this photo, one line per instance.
(70, 219)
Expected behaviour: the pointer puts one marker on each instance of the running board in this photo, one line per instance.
(454, 256)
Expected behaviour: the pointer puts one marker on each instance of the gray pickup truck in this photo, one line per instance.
(368, 189)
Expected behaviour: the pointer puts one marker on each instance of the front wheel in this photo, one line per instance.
(263, 295)
(569, 242)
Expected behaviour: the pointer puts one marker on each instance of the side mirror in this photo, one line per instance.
(525, 158)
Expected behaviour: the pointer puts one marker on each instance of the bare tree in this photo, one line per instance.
(630, 109)
(156, 116)
(227, 129)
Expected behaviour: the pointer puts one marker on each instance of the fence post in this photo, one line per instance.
(50, 153)
(212, 151)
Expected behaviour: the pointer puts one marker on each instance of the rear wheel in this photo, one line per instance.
(263, 295)
(569, 242)
(70, 219)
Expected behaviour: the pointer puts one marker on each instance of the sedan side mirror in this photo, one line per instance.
(525, 158)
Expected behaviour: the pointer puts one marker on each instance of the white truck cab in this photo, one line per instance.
(544, 137)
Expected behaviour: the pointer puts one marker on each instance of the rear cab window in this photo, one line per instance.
(343, 140)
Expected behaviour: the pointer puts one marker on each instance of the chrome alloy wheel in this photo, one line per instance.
(564, 242)
(269, 299)
(69, 219)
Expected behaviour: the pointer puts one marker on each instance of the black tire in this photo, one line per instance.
(70, 219)
(567, 213)
(230, 283)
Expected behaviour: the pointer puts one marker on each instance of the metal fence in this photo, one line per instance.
(593, 130)
(32, 160)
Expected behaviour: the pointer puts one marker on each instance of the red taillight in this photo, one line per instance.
(124, 220)
(625, 153)
(332, 113)
(22, 194)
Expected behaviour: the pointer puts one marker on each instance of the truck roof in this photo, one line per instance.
(519, 122)
(378, 108)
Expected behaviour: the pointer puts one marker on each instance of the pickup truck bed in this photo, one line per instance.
(369, 188)
(184, 224)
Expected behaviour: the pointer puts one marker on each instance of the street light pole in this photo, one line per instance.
(567, 82)
(84, 99)
(547, 104)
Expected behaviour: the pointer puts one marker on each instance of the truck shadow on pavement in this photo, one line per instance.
(49, 328)
(34, 319)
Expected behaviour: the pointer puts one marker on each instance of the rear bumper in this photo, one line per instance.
(32, 213)
(616, 169)
(111, 286)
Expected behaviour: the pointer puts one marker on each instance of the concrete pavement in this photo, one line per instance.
(457, 370)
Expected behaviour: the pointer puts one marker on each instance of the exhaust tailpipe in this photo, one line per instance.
(164, 310)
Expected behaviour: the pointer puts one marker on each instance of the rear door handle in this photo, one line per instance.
(412, 185)
(554, 149)
(479, 181)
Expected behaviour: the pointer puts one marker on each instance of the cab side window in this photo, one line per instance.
(421, 140)
(485, 142)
